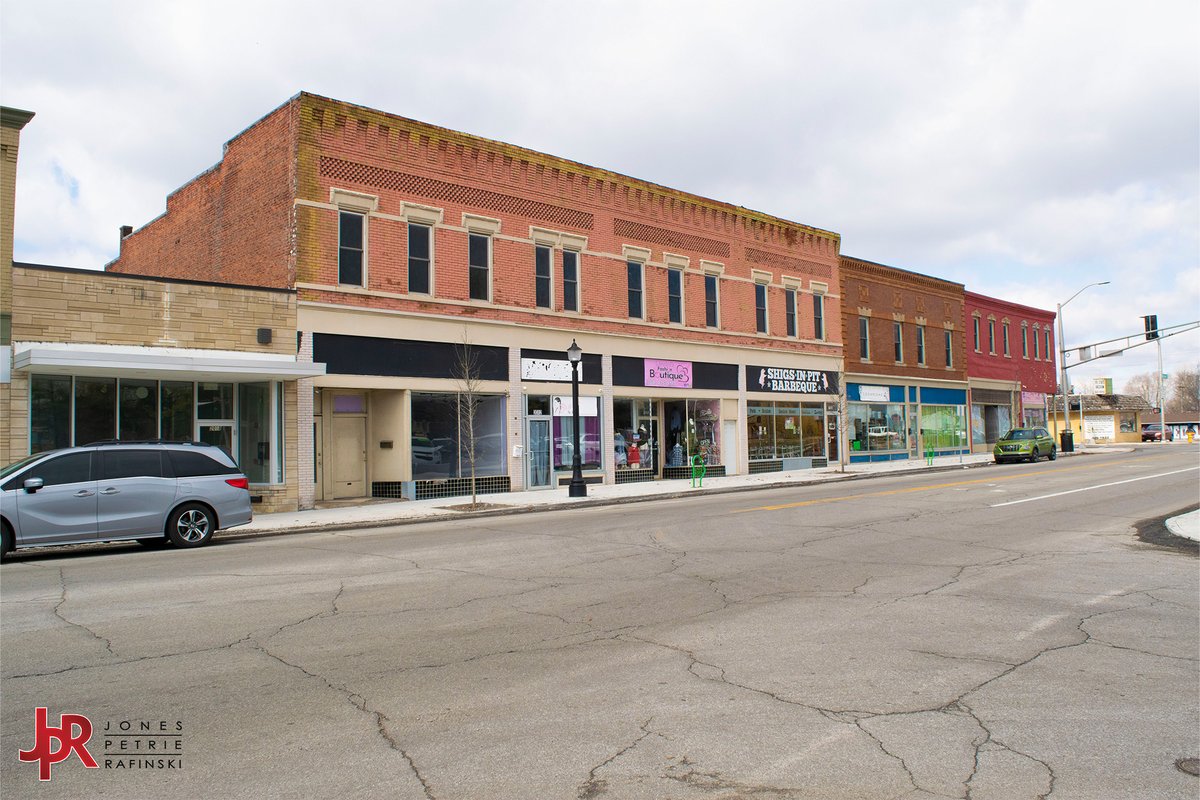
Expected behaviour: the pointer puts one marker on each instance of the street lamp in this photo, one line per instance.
(577, 488)
(1062, 363)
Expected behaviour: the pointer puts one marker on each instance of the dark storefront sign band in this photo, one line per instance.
(786, 380)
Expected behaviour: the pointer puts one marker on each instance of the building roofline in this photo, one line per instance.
(14, 117)
(152, 278)
(969, 295)
(867, 262)
(536, 156)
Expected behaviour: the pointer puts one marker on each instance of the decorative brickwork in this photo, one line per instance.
(337, 169)
(796, 265)
(667, 238)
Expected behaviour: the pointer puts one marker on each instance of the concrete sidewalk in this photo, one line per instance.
(377, 513)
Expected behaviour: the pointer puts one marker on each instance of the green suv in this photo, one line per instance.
(1021, 443)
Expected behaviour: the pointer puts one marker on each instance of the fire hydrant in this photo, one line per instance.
(1190, 435)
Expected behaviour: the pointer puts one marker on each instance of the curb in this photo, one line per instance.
(589, 503)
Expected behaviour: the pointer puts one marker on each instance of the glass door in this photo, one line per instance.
(537, 453)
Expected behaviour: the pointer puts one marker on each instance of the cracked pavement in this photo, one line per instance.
(923, 645)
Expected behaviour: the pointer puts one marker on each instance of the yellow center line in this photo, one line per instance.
(933, 486)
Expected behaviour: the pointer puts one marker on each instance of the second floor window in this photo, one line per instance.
(1024, 342)
(976, 321)
(541, 276)
(992, 336)
(949, 350)
(920, 344)
(1035, 345)
(789, 310)
(898, 334)
(760, 307)
(634, 269)
(675, 296)
(570, 276)
(818, 316)
(479, 258)
(711, 310)
(350, 248)
(1048, 346)
(418, 258)
(1004, 337)
(864, 339)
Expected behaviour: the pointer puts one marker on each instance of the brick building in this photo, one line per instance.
(92, 356)
(708, 329)
(1010, 366)
(905, 363)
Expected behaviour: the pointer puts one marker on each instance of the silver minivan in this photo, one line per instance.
(152, 492)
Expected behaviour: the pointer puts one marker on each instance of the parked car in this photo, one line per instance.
(152, 492)
(1153, 432)
(1025, 443)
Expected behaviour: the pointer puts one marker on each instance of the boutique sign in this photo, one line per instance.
(668, 374)
(785, 380)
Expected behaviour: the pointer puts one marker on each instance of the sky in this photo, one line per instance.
(1024, 148)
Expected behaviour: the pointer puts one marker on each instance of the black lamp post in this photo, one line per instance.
(577, 488)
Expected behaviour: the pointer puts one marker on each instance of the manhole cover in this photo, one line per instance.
(1189, 765)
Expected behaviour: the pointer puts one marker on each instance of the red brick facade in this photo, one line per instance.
(1029, 361)
(265, 216)
(886, 296)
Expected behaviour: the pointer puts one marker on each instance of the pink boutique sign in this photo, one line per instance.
(669, 374)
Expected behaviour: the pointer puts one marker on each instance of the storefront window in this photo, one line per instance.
(563, 427)
(877, 427)
(95, 409)
(139, 410)
(49, 413)
(439, 436)
(1129, 423)
(635, 433)
(692, 427)
(989, 423)
(254, 431)
(178, 411)
(942, 427)
(785, 430)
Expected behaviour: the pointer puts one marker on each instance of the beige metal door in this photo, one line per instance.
(349, 456)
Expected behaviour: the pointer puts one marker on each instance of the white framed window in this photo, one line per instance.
(864, 338)
(352, 248)
(898, 340)
(543, 290)
(635, 273)
(420, 258)
(921, 345)
(675, 295)
(479, 266)
(789, 312)
(570, 280)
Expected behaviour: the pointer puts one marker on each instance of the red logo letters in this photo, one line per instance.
(69, 741)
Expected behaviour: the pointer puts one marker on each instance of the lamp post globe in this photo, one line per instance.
(577, 488)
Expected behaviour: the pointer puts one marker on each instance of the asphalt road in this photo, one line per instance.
(992, 633)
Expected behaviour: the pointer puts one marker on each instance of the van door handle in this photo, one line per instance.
(84, 493)
(111, 490)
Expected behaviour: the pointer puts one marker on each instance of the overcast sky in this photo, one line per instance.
(1024, 149)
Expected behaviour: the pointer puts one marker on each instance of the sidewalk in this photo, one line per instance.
(378, 513)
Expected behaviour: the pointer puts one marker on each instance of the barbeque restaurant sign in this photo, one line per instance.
(785, 380)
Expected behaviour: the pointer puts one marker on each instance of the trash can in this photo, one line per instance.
(1067, 442)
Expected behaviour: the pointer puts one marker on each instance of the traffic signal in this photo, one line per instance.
(1151, 327)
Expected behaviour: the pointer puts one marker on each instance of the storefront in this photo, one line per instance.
(991, 415)
(548, 444)
(886, 422)
(669, 415)
(792, 429)
(1033, 410)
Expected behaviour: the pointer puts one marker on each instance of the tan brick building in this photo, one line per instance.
(94, 355)
(708, 329)
(905, 362)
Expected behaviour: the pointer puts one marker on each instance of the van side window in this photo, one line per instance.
(192, 465)
(71, 468)
(124, 463)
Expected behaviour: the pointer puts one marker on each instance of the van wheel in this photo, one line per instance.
(1034, 456)
(7, 540)
(1053, 452)
(191, 525)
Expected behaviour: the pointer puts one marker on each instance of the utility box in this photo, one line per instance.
(1066, 442)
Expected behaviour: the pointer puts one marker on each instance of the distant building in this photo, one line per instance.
(1105, 417)
(1010, 366)
(906, 371)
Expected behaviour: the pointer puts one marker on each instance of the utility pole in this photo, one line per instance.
(1062, 364)
(1152, 333)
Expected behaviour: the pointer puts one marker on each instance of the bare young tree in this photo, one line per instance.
(1185, 392)
(469, 399)
(1144, 386)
